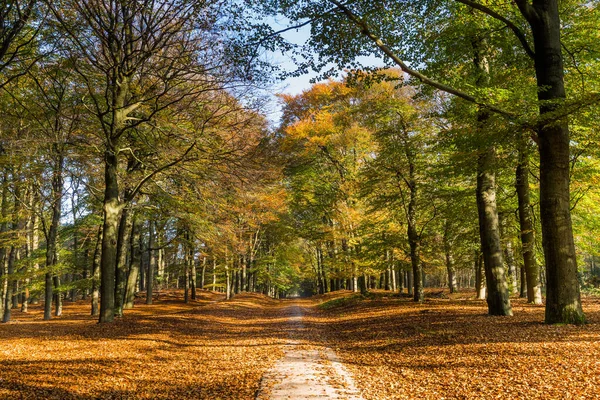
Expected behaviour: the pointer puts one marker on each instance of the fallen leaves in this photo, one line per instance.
(450, 349)
(215, 349)
(168, 350)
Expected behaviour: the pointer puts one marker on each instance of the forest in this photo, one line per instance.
(444, 157)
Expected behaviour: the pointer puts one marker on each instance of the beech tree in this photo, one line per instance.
(136, 60)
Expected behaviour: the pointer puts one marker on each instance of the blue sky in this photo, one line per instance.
(296, 85)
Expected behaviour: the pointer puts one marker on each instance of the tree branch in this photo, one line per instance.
(365, 30)
(527, 10)
(518, 33)
(141, 183)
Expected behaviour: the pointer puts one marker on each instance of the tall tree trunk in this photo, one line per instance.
(417, 270)
(58, 296)
(143, 264)
(512, 266)
(4, 231)
(244, 274)
(415, 247)
(52, 234)
(563, 299)
(400, 280)
(193, 277)
(363, 284)
(214, 271)
(31, 246)
(320, 272)
(227, 276)
(11, 292)
(497, 297)
(151, 262)
(96, 274)
(531, 267)
(186, 272)
(449, 259)
(108, 258)
(135, 261)
(123, 243)
(76, 253)
(202, 275)
(414, 239)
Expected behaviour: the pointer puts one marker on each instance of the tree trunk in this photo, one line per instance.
(203, 272)
(563, 299)
(143, 264)
(479, 276)
(4, 250)
(193, 277)
(449, 259)
(32, 244)
(58, 296)
(214, 271)
(108, 258)
(135, 262)
(11, 292)
(523, 292)
(400, 280)
(52, 234)
(186, 275)
(497, 297)
(511, 266)
(151, 262)
(531, 267)
(497, 290)
(123, 243)
(320, 272)
(96, 274)
(11, 300)
(227, 277)
(244, 274)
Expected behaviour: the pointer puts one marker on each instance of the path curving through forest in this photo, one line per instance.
(306, 371)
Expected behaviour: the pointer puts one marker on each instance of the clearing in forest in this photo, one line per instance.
(380, 347)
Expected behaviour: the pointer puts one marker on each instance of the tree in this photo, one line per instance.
(136, 60)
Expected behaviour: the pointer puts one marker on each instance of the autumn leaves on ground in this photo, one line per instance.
(217, 349)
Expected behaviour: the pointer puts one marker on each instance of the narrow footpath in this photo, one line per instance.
(306, 371)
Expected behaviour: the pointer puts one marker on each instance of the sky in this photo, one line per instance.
(295, 85)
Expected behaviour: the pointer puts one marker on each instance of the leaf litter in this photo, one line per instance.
(445, 348)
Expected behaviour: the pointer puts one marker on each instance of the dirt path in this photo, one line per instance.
(306, 371)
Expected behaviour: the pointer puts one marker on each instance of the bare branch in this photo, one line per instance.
(145, 179)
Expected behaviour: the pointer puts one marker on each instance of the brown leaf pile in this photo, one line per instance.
(207, 349)
(450, 349)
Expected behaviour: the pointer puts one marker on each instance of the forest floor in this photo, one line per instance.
(446, 347)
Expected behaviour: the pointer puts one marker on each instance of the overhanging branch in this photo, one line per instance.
(365, 30)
